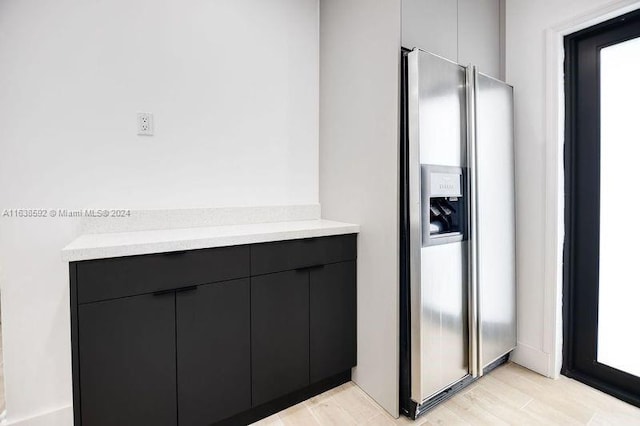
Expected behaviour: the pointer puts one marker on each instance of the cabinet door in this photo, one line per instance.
(431, 26)
(127, 360)
(479, 35)
(332, 319)
(214, 380)
(279, 334)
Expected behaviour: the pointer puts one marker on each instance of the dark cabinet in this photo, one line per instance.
(127, 361)
(287, 255)
(225, 335)
(213, 352)
(127, 276)
(332, 319)
(279, 334)
(303, 328)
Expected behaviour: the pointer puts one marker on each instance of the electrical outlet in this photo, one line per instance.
(145, 123)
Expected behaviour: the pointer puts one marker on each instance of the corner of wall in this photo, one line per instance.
(359, 110)
(532, 358)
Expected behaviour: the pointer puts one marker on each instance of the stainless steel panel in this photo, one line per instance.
(472, 202)
(443, 332)
(415, 220)
(442, 111)
(436, 111)
(495, 227)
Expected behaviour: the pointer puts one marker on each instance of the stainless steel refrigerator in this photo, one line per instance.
(458, 283)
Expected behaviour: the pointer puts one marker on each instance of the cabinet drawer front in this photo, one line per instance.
(294, 254)
(127, 276)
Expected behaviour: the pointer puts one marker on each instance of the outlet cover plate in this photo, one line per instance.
(145, 124)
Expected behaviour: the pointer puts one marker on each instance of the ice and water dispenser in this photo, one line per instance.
(443, 205)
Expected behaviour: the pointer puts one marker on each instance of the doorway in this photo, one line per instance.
(602, 197)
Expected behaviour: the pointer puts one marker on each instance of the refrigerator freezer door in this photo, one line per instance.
(438, 273)
(495, 222)
(445, 357)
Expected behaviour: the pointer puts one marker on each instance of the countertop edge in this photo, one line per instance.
(70, 254)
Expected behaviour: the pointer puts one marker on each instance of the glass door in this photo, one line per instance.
(602, 200)
(619, 289)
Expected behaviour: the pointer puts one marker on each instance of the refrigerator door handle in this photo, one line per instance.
(475, 349)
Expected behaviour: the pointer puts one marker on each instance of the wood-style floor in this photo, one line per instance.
(510, 395)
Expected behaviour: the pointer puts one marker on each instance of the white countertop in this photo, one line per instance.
(117, 244)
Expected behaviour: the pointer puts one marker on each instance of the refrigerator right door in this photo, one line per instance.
(495, 221)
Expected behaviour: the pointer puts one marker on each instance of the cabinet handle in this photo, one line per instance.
(185, 289)
(175, 290)
(305, 268)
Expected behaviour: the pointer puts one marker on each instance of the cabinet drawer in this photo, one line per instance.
(286, 255)
(127, 276)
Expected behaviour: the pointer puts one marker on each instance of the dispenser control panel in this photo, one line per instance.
(443, 205)
(446, 184)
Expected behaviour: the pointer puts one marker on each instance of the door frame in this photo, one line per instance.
(580, 343)
(554, 132)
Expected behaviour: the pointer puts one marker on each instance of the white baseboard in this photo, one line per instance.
(61, 417)
(532, 358)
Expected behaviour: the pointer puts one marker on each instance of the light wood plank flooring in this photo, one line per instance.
(510, 395)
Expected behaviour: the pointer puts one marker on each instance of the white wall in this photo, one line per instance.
(359, 133)
(233, 85)
(526, 62)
